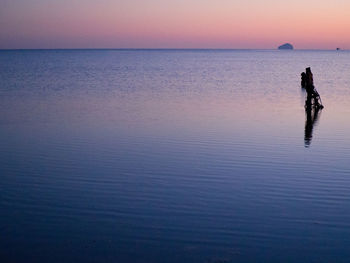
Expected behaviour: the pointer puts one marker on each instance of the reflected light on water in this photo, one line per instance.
(173, 156)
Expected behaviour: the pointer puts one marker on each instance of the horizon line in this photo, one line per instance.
(126, 49)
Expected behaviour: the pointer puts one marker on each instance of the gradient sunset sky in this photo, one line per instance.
(311, 24)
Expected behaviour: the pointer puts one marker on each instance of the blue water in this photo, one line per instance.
(173, 156)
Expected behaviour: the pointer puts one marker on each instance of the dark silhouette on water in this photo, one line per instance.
(312, 116)
(313, 104)
(313, 98)
(303, 80)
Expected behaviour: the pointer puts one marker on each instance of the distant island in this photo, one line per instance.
(286, 46)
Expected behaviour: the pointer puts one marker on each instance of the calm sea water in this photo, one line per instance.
(173, 156)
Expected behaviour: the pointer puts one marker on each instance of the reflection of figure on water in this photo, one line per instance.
(312, 116)
(313, 104)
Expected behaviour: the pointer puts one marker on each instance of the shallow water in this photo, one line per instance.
(173, 156)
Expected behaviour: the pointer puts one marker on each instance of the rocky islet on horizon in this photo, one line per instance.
(286, 46)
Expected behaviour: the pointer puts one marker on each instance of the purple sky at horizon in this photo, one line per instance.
(174, 24)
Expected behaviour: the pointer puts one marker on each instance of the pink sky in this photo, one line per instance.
(174, 24)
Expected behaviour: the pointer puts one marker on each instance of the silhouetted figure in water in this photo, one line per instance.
(307, 82)
(313, 105)
(303, 80)
(312, 115)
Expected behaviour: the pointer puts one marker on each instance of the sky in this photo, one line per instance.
(261, 24)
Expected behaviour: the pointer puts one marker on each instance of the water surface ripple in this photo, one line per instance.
(172, 156)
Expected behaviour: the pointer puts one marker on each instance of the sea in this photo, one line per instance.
(163, 156)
